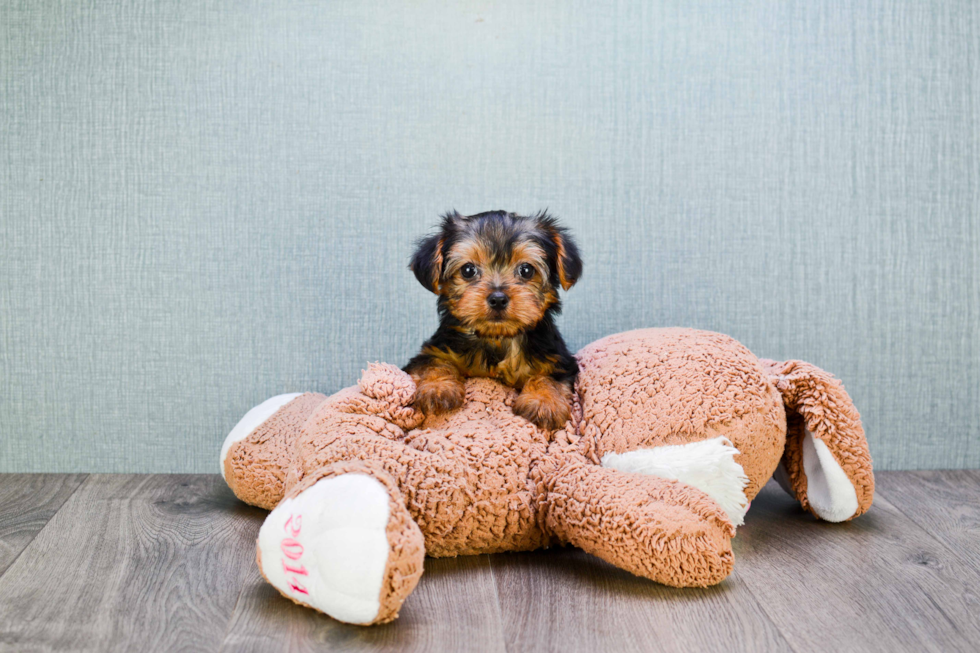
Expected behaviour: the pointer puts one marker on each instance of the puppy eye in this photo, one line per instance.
(468, 271)
(526, 270)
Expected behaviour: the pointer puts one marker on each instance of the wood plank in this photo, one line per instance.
(566, 600)
(132, 563)
(945, 503)
(454, 608)
(27, 502)
(878, 583)
(167, 562)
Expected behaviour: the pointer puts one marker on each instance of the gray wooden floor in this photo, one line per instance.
(141, 563)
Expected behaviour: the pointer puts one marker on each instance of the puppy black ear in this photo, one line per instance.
(427, 262)
(567, 259)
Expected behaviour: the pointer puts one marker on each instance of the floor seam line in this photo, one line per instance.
(762, 607)
(46, 524)
(496, 594)
(231, 617)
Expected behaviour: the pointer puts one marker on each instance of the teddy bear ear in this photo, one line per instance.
(826, 464)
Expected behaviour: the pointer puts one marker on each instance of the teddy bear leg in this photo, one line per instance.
(256, 454)
(342, 542)
(657, 528)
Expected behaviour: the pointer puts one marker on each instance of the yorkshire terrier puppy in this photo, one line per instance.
(497, 276)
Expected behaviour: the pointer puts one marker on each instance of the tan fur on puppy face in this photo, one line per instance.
(497, 271)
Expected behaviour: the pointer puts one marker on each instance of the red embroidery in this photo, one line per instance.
(294, 551)
(291, 548)
(301, 570)
(292, 526)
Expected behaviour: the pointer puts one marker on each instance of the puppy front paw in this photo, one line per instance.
(439, 395)
(544, 402)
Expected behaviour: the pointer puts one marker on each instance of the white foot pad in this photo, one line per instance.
(328, 547)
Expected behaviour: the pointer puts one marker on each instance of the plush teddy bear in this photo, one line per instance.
(673, 432)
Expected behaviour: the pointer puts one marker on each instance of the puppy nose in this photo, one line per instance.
(498, 300)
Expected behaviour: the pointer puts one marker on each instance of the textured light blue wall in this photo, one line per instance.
(203, 204)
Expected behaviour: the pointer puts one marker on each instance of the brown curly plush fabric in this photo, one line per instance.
(466, 487)
(255, 467)
(664, 530)
(817, 402)
(482, 480)
(654, 387)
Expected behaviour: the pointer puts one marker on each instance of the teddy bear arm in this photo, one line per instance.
(660, 529)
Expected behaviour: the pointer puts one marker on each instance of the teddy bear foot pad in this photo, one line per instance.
(328, 547)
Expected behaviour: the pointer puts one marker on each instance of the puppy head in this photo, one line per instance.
(498, 273)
